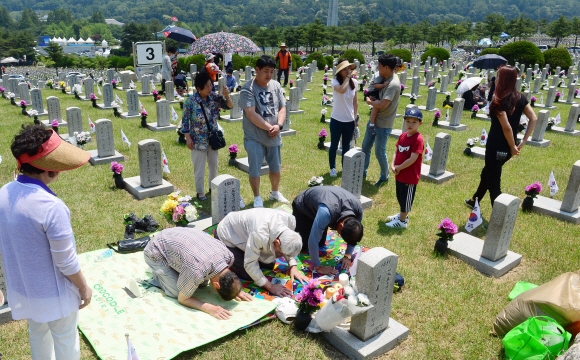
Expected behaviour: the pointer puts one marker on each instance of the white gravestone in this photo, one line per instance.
(248, 73)
(235, 114)
(145, 86)
(455, 119)
(285, 130)
(133, 108)
(537, 138)
(150, 181)
(170, 91)
(24, 92)
(53, 107)
(13, 87)
(126, 80)
(105, 153)
(570, 97)
(294, 107)
(75, 122)
(107, 97)
(537, 83)
(431, 97)
(110, 75)
(444, 84)
(37, 102)
(491, 257)
(436, 172)
(163, 117)
(415, 71)
(428, 77)
(225, 197)
(352, 175)
(89, 85)
(415, 86)
(568, 209)
(570, 128)
(373, 332)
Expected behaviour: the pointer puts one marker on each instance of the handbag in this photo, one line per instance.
(130, 246)
(216, 137)
(538, 338)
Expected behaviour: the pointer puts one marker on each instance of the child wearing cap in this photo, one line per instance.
(407, 167)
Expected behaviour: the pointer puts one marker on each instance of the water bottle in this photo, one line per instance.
(104, 255)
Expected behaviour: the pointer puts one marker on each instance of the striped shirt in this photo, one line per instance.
(195, 255)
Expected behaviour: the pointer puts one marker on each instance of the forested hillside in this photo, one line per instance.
(296, 12)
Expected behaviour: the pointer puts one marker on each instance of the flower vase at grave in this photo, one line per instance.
(143, 121)
(473, 114)
(435, 121)
(361, 87)
(155, 97)
(181, 139)
(232, 161)
(556, 99)
(321, 140)
(36, 121)
(63, 90)
(528, 204)
(12, 102)
(77, 96)
(322, 118)
(181, 105)
(116, 112)
(119, 182)
(55, 129)
(302, 320)
(3, 95)
(412, 100)
(94, 103)
(24, 111)
(533, 103)
(325, 81)
(441, 246)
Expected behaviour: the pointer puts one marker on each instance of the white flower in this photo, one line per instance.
(363, 300)
(33, 112)
(323, 111)
(470, 142)
(315, 181)
(191, 213)
(185, 198)
(10, 95)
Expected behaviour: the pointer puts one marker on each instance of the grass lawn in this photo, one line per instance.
(448, 306)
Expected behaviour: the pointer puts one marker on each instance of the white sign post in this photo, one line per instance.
(146, 55)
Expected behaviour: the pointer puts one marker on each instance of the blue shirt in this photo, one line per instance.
(321, 222)
(231, 83)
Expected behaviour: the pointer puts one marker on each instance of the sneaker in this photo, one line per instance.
(469, 203)
(333, 173)
(278, 197)
(129, 231)
(131, 218)
(151, 224)
(393, 217)
(397, 223)
(380, 183)
(258, 203)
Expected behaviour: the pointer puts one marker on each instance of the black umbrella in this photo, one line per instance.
(179, 34)
(489, 61)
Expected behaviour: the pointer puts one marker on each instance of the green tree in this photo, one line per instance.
(155, 27)
(401, 33)
(55, 53)
(521, 28)
(29, 20)
(376, 32)
(97, 18)
(541, 26)
(559, 28)
(494, 24)
(315, 34)
(575, 29)
(5, 18)
(336, 36)
(60, 15)
(294, 37)
(133, 32)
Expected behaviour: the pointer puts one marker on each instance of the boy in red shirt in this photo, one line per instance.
(407, 166)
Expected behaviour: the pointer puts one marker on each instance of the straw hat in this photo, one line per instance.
(343, 65)
(56, 155)
(283, 45)
(208, 57)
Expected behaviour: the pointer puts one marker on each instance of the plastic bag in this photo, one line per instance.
(521, 287)
(332, 314)
(537, 338)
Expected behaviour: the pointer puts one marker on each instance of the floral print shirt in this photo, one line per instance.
(193, 121)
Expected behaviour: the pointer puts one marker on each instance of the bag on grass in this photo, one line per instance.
(130, 246)
(537, 338)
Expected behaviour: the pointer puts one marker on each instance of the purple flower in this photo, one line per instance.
(475, 108)
(534, 189)
(558, 94)
(23, 103)
(113, 82)
(233, 149)
(54, 123)
(437, 113)
(459, 81)
(323, 133)
(144, 112)
(448, 226)
(93, 96)
(533, 98)
(325, 78)
(154, 92)
(116, 167)
(403, 86)
(2, 89)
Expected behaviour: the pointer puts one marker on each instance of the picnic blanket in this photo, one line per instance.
(159, 327)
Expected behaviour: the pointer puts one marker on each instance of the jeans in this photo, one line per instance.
(55, 340)
(381, 135)
(490, 178)
(286, 74)
(338, 130)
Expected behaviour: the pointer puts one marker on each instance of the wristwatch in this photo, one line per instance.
(348, 256)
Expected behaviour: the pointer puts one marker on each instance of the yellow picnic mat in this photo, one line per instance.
(159, 327)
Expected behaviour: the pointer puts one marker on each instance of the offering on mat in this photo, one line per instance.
(330, 292)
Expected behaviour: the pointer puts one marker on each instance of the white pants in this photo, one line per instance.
(198, 159)
(55, 340)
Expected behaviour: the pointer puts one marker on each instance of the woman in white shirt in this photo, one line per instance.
(344, 111)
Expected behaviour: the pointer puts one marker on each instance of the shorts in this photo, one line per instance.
(256, 154)
(405, 195)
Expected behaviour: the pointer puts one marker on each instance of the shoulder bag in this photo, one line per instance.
(216, 137)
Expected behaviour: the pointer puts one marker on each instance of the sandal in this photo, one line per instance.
(201, 198)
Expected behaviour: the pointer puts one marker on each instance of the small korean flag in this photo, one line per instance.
(174, 115)
(483, 139)
(91, 126)
(165, 162)
(125, 139)
(552, 184)
(118, 99)
(474, 218)
(428, 152)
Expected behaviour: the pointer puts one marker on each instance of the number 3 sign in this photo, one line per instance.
(148, 53)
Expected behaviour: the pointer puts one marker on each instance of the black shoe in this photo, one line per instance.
(150, 224)
(129, 231)
(130, 218)
(201, 198)
(380, 183)
(469, 203)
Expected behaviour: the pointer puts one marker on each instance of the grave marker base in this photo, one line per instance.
(468, 249)
(366, 202)
(478, 152)
(289, 132)
(543, 143)
(440, 179)
(561, 130)
(133, 187)
(482, 117)
(126, 115)
(536, 104)
(103, 107)
(154, 127)
(87, 98)
(143, 95)
(202, 223)
(354, 348)
(297, 112)
(96, 160)
(568, 103)
(409, 95)
(446, 125)
(551, 207)
(243, 165)
(339, 150)
(46, 123)
(424, 108)
(5, 314)
(396, 133)
(227, 118)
